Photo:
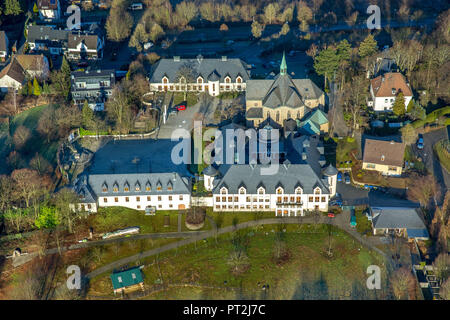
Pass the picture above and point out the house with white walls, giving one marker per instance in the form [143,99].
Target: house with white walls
[212,76]
[49,9]
[385,88]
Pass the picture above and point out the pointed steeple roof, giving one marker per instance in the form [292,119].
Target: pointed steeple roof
[283,65]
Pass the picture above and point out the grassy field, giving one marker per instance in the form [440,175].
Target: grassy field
[227,218]
[113,218]
[201,271]
[29,119]
[344,148]
[442,150]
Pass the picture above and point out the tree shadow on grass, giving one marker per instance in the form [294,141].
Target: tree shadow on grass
[312,290]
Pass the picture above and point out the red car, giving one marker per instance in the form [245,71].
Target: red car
[181,107]
[331,215]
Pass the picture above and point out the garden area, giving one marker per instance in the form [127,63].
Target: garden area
[346,152]
[442,150]
[239,264]
[113,218]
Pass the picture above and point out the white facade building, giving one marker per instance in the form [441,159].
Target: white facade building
[385,88]
[212,76]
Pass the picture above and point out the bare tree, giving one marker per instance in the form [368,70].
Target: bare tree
[403,284]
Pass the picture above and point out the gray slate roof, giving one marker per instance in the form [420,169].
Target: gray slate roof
[289,177]
[179,185]
[3,46]
[396,217]
[209,69]
[282,91]
[46,33]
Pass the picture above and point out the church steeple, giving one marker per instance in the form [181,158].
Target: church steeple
[283,66]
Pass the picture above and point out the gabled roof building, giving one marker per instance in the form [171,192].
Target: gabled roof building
[281,98]
[94,86]
[212,76]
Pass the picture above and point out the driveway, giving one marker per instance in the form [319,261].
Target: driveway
[430,159]
[351,195]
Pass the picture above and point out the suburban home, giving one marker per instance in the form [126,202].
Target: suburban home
[4,46]
[400,221]
[49,9]
[385,88]
[127,174]
[316,122]
[75,44]
[127,280]
[213,76]
[384,156]
[35,65]
[84,46]
[12,76]
[93,86]
[281,98]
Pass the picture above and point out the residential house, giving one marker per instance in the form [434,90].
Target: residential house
[12,76]
[384,156]
[75,44]
[316,122]
[281,98]
[84,46]
[127,280]
[385,88]
[95,87]
[213,76]
[400,221]
[49,9]
[35,65]
[4,46]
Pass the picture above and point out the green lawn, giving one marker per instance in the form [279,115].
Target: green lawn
[200,271]
[344,148]
[113,218]
[442,150]
[307,274]
[36,144]
[227,218]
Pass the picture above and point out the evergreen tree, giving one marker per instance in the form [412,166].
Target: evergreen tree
[399,104]
[35,8]
[326,63]
[367,48]
[29,88]
[87,115]
[12,7]
[36,88]
[257,29]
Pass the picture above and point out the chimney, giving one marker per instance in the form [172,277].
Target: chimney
[174,176]
[224,58]
[176,58]
[304,156]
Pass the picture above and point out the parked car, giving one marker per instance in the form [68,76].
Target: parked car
[181,106]
[420,142]
[347,178]
[331,215]
[339,177]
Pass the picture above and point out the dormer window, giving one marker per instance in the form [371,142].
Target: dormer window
[227,79]
[105,187]
[261,190]
[279,190]
[223,190]
[148,186]
[126,187]
[317,190]
[239,79]
[116,187]
[169,186]
[165,80]
[393,90]
[298,190]
[382,157]
[242,190]
[137,186]
[182,79]
[200,80]
[159,186]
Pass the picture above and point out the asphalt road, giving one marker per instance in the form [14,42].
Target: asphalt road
[430,159]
